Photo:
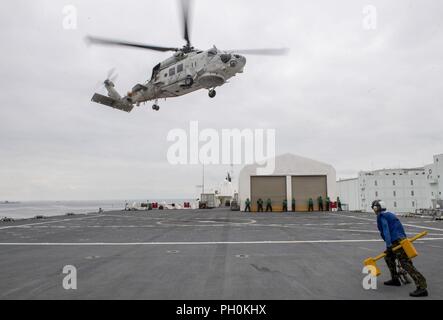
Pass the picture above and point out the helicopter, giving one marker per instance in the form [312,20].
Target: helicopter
[187,70]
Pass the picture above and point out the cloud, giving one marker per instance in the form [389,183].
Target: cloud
[357,99]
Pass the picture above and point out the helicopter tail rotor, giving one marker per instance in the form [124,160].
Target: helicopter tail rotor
[113,99]
[110,79]
[112,76]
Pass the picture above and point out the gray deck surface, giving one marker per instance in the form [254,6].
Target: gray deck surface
[206,254]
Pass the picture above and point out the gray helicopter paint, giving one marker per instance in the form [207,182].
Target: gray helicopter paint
[206,69]
[186,71]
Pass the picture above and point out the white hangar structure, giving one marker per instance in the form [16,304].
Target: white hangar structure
[294,177]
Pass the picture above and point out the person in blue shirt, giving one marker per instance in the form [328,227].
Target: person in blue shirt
[392,232]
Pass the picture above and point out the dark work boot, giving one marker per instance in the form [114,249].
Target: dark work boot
[393,282]
[419,293]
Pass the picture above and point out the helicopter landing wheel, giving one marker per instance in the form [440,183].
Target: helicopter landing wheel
[212,93]
[189,81]
[155,107]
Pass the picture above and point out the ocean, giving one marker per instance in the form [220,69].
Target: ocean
[30,209]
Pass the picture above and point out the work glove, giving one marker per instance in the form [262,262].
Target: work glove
[389,251]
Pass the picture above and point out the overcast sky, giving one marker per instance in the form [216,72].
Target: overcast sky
[354,98]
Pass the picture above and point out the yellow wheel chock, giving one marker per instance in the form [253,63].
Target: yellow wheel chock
[407,246]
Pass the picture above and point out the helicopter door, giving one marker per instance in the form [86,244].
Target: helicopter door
[181,73]
[173,86]
[155,72]
[180,69]
[172,75]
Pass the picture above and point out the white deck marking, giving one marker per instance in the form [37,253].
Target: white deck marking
[405,224]
[422,227]
[135,217]
[367,249]
[48,222]
[359,218]
[194,243]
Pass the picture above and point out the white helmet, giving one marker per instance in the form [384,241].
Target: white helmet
[380,204]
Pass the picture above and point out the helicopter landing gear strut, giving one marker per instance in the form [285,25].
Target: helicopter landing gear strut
[212,93]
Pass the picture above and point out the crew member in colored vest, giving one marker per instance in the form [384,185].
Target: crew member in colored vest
[338,204]
[259,205]
[285,205]
[310,204]
[247,205]
[268,205]
[320,203]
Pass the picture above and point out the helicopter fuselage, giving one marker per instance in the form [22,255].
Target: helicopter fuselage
[184,73]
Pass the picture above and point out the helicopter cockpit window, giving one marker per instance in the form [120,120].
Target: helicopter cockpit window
[180,68]
[225,57]
[212,52]
[172,72]
[155,71]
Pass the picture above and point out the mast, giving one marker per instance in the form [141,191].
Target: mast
[203,184]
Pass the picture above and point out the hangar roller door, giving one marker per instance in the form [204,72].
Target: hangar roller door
[305,187]
[268,187]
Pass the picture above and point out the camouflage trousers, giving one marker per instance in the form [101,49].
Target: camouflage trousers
[406,264]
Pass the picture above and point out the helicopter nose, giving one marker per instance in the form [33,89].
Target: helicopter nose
[241,60]
[238,62]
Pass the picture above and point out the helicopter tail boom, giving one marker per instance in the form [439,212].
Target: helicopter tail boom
[120,104]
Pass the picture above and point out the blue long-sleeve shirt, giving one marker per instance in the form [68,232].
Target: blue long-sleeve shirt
[390,227]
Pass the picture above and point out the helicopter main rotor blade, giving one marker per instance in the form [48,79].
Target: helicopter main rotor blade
[186,5]
[110,42]
[263,52]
